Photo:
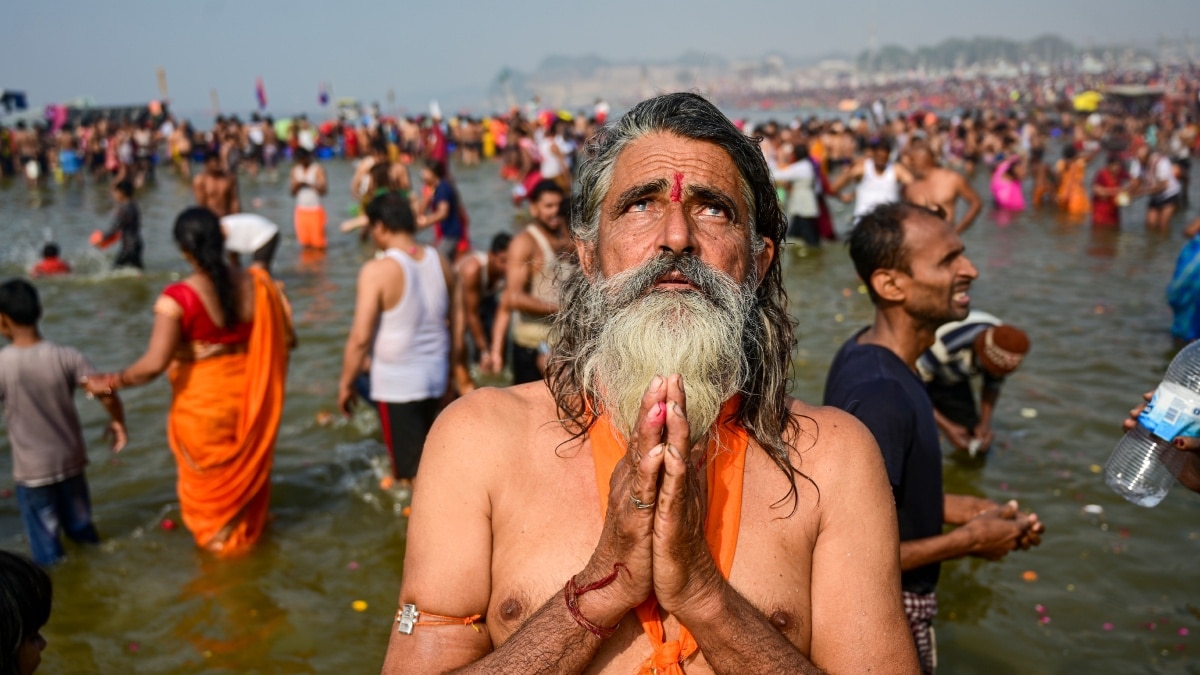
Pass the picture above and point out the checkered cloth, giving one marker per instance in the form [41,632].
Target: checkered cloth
[920,610]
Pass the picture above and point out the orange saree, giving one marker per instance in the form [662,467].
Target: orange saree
[222,426]
[1072,195]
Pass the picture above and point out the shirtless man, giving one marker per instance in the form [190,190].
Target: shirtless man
[476,301]
[530,295]
[179,146]
[216,189]
[935,186]
[26,142]
[550,556]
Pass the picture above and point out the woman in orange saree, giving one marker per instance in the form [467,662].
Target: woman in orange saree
[222,336]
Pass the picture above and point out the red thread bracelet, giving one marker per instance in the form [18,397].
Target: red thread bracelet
[572,592]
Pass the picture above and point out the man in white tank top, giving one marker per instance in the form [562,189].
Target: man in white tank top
[879,180]
[308,186]
[402,321]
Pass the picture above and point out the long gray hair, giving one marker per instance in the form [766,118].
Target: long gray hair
[763,410]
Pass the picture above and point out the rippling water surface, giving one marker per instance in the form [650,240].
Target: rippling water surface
[1118,592]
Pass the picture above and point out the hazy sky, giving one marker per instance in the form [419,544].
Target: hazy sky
[58,49]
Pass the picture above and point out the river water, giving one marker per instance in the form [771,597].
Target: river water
[1115,592]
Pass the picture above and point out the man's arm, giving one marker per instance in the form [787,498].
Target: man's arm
[447,565]
[857,622]
[117,225]
[198,191]
[322,186]
[362,330]
[958,435]
[517,278]
[235,198]
[469,283]
[500,334]
[844,178]
[987,406]
[959,509]
[991,535]
[974,204]
[296,184]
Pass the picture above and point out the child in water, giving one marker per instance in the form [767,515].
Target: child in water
[50,265]
[25,597]
[37,382]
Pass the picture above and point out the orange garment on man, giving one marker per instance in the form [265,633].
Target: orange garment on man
[310,226]
[1072,194]
[228,386]
[724,462]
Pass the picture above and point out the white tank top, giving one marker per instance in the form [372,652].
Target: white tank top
[875,188]
[306,197]
[410,360]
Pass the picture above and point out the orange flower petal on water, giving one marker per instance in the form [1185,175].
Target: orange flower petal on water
[1029,575]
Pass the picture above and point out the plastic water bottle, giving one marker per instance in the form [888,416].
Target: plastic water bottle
[1144,465]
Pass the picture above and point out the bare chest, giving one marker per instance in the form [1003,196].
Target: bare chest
[547,524]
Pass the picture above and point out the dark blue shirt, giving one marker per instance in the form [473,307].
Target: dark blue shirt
[451,227]
[873,384]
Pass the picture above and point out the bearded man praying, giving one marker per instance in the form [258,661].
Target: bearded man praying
[658,504]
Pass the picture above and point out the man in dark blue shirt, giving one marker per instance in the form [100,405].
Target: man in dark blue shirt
[917,276]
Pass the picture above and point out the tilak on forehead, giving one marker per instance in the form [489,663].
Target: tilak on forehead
[677,187]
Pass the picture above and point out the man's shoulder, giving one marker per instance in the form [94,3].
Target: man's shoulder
[498,419]
[868,374]
[829,441]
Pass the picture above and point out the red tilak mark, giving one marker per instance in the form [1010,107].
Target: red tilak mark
[677,188]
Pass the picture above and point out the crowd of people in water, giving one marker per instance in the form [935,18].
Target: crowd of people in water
[546,303]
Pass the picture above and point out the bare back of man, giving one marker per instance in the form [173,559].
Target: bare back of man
[517,536]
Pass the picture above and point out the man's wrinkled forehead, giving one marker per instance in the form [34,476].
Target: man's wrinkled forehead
[672,166]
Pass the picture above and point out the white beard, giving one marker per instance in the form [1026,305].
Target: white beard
[668,332]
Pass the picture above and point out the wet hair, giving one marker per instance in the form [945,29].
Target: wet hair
[303,153]
[380,175]
[1069,151]
[379,145]
[125,187]
[25,599]
[763,409]
[198,233]
[50,250]
[500,243]
[20,303]
[392,211]
[877,240]
[879,143]
[545,186]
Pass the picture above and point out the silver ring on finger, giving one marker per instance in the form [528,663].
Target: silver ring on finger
[639,504]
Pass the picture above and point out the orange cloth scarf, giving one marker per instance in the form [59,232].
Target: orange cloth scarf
[726,461]
[222,427]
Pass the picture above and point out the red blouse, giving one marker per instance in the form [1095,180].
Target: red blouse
[198,326]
